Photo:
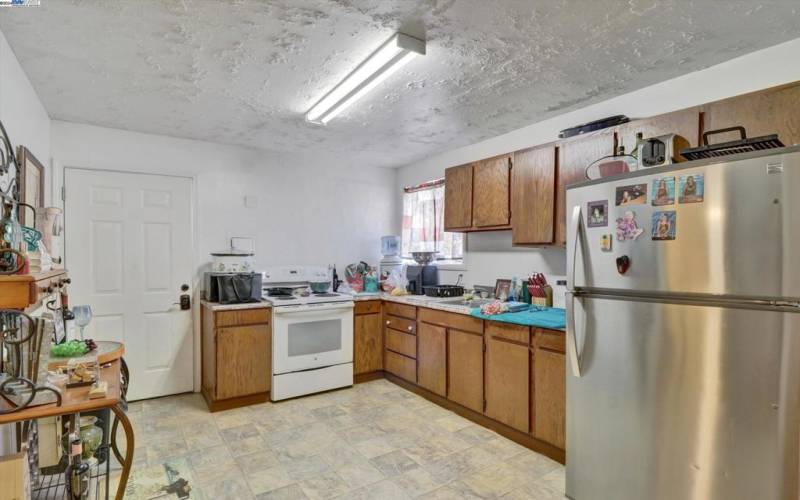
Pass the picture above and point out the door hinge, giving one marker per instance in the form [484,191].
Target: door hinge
[63,193]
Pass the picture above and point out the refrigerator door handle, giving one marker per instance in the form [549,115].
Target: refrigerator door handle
[572,338]
[577,223]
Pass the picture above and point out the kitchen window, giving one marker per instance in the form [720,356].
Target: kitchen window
[423,223]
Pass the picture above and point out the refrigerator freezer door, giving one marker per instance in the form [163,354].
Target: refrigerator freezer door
[682,401]
[743,239]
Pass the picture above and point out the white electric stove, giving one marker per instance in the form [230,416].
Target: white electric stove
[312,334]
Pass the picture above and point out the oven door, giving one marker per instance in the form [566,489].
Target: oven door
[311,336]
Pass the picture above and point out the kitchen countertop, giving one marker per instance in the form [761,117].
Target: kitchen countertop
[434,303]
[216,306]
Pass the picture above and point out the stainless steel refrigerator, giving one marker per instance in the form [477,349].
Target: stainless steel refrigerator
[683,332]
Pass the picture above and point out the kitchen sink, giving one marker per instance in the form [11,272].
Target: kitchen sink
[466,303]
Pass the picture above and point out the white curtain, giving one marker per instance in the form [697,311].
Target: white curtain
[423,225]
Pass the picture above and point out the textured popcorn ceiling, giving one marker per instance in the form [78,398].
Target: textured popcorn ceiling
[244,72]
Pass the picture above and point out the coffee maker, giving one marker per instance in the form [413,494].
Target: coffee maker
[421,276]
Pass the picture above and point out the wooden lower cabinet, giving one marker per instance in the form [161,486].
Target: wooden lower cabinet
[508,382]
[465,369]
[402,366]
[548,421]
[367,338]
[432,358]
[243,360]
[236,356]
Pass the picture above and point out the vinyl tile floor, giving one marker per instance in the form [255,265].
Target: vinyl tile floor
[372,441]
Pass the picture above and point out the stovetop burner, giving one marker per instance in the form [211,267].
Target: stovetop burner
[284,297]
[326,294]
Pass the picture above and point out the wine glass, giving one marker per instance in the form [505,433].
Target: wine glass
[83,316]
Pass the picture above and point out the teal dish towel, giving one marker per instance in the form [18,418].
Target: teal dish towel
[542,317]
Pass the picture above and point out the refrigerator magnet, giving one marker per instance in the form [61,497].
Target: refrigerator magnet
[606,242]
[627,227]
[690,188]
[635,194]
[663,191]
[664,225]
[597,213]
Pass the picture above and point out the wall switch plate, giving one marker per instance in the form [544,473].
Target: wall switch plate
[251,201]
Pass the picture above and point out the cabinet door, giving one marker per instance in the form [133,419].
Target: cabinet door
[432,358]
[533,196]
[491,192]
[573,158]
[549,396]
[508,383]
[367,343]
[458,197]
[465,369]
[771,111]
[243,360]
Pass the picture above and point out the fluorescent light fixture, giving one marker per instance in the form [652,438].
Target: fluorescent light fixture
[391,56]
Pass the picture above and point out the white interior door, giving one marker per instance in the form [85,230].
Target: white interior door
[129,252]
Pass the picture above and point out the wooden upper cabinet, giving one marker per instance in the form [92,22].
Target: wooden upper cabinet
[770,111]
[533,195]
[458,197]
[432,358]
[574,156]
[491,192]
[685,123]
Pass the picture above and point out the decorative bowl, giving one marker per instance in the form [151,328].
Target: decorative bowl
[423,258]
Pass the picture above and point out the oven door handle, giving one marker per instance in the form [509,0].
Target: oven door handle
[312,308]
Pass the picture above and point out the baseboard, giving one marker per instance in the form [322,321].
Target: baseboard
[229,404]
[518,437]
[367,377]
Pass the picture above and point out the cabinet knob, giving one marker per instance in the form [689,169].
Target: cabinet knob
[388,323]
[410,328]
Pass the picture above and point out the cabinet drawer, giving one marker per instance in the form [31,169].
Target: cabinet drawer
[401,343]
[403,367]
[505,331]
[239,317]
[552,340]
[451,320]
[402,310]
[368,307]
[401,324]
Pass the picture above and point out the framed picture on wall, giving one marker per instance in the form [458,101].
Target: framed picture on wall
[31,184]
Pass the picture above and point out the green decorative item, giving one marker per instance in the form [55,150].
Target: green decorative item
[71,349]
[32,237]
[91,435]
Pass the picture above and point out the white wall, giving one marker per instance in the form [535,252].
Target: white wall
[21,111]
[308,213]
[491,255]
[27,124]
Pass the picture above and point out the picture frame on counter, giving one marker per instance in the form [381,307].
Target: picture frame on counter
[31,184]
[502,286]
